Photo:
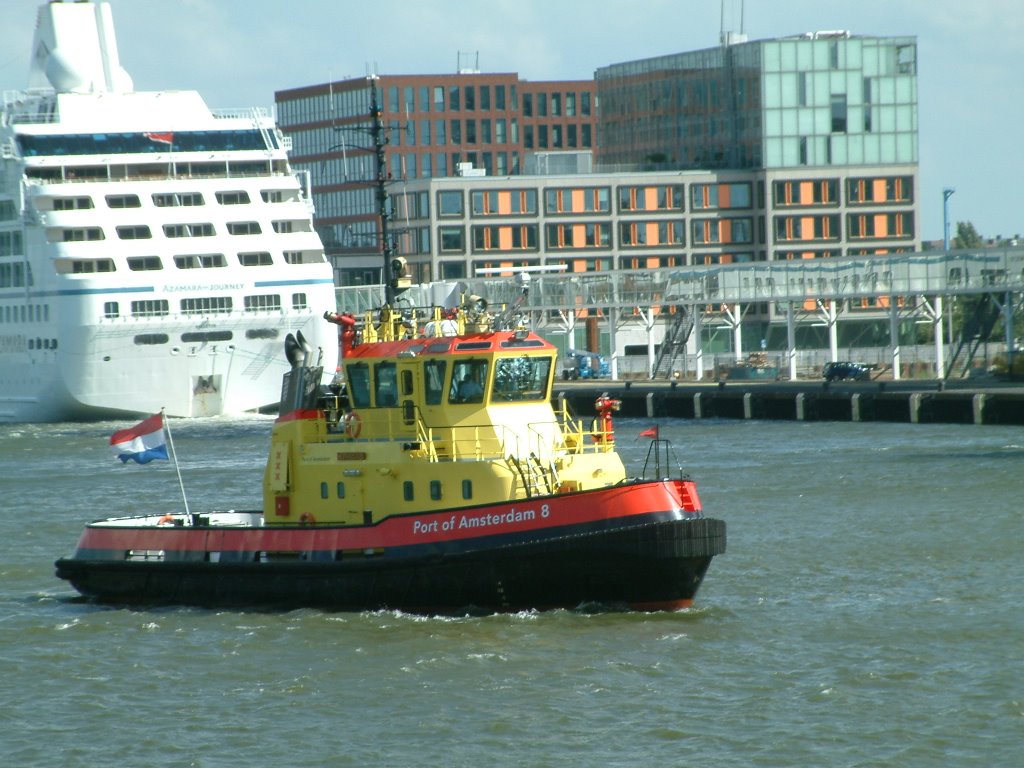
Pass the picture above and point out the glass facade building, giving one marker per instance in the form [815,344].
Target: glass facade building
[821,99]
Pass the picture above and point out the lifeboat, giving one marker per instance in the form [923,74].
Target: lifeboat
[434,475]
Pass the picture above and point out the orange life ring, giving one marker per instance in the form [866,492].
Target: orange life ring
[307,518]
[167,519]
[353,424]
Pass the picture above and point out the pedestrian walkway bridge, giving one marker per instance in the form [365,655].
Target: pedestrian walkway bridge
[940,273]
[819,291]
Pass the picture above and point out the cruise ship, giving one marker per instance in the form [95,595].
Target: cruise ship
[154,253]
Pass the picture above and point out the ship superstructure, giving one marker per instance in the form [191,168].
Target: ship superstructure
[154,253]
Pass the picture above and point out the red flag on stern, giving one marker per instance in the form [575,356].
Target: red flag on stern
[652,432]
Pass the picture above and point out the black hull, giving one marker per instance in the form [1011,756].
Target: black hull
[658,565]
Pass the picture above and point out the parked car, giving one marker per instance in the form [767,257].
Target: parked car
[844,370]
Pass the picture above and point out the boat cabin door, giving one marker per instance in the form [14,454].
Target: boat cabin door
[408,387]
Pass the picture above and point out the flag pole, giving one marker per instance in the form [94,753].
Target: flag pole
[174,455]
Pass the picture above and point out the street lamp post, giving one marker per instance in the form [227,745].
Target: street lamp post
[946,194]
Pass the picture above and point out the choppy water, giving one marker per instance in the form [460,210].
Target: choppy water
[869,612]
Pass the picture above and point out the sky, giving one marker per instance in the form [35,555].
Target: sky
[237,53]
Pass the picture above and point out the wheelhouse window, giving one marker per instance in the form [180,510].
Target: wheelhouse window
[385,385]
[521,378]
[469,379]
[358,375]
[433,376]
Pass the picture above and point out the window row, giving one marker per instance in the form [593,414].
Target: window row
[185,261]
[879,226]
[598,200]
[203,337]
[597,234]
[206,305]
[25,313]
[163,199]
[859,191]
[465,381]
[454,98]
[173,231]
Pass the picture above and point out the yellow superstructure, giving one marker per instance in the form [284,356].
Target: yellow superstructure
[427,422]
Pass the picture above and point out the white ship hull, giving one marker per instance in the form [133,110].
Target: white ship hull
[153,254]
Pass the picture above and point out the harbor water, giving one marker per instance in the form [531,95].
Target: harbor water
[869,611]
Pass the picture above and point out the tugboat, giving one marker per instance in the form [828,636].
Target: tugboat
[435,475]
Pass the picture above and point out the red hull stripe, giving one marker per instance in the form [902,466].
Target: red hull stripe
[609,504]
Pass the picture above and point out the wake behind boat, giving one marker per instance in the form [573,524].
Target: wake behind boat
[153,253]
[435,475]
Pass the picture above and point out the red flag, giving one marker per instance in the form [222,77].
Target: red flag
[163,137]
[652,432]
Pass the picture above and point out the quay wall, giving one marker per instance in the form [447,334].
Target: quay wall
[813,401]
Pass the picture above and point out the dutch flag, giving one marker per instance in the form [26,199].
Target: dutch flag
[141,443]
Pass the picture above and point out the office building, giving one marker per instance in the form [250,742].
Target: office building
[790,148]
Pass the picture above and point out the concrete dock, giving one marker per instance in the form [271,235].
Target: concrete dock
[911,401]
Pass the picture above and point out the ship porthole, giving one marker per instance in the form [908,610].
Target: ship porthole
[175,350]
[106,358]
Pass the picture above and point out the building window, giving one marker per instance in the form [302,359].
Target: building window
[589,235]
[805,192]
[450,203]
[578,200]
[838,103]
[888,189]
[712,231]
[657,198]
[505,238]
[452,239]
[515,202]
[651,233]
[788,228]
[880,226]
[720,196]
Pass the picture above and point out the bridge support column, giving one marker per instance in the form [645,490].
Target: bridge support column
[894,337]
[978,408]
[791,340]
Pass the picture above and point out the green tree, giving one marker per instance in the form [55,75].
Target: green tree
[966,236]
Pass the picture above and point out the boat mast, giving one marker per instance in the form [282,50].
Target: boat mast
[393,268]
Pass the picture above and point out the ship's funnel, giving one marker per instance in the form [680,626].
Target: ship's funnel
[75,51]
